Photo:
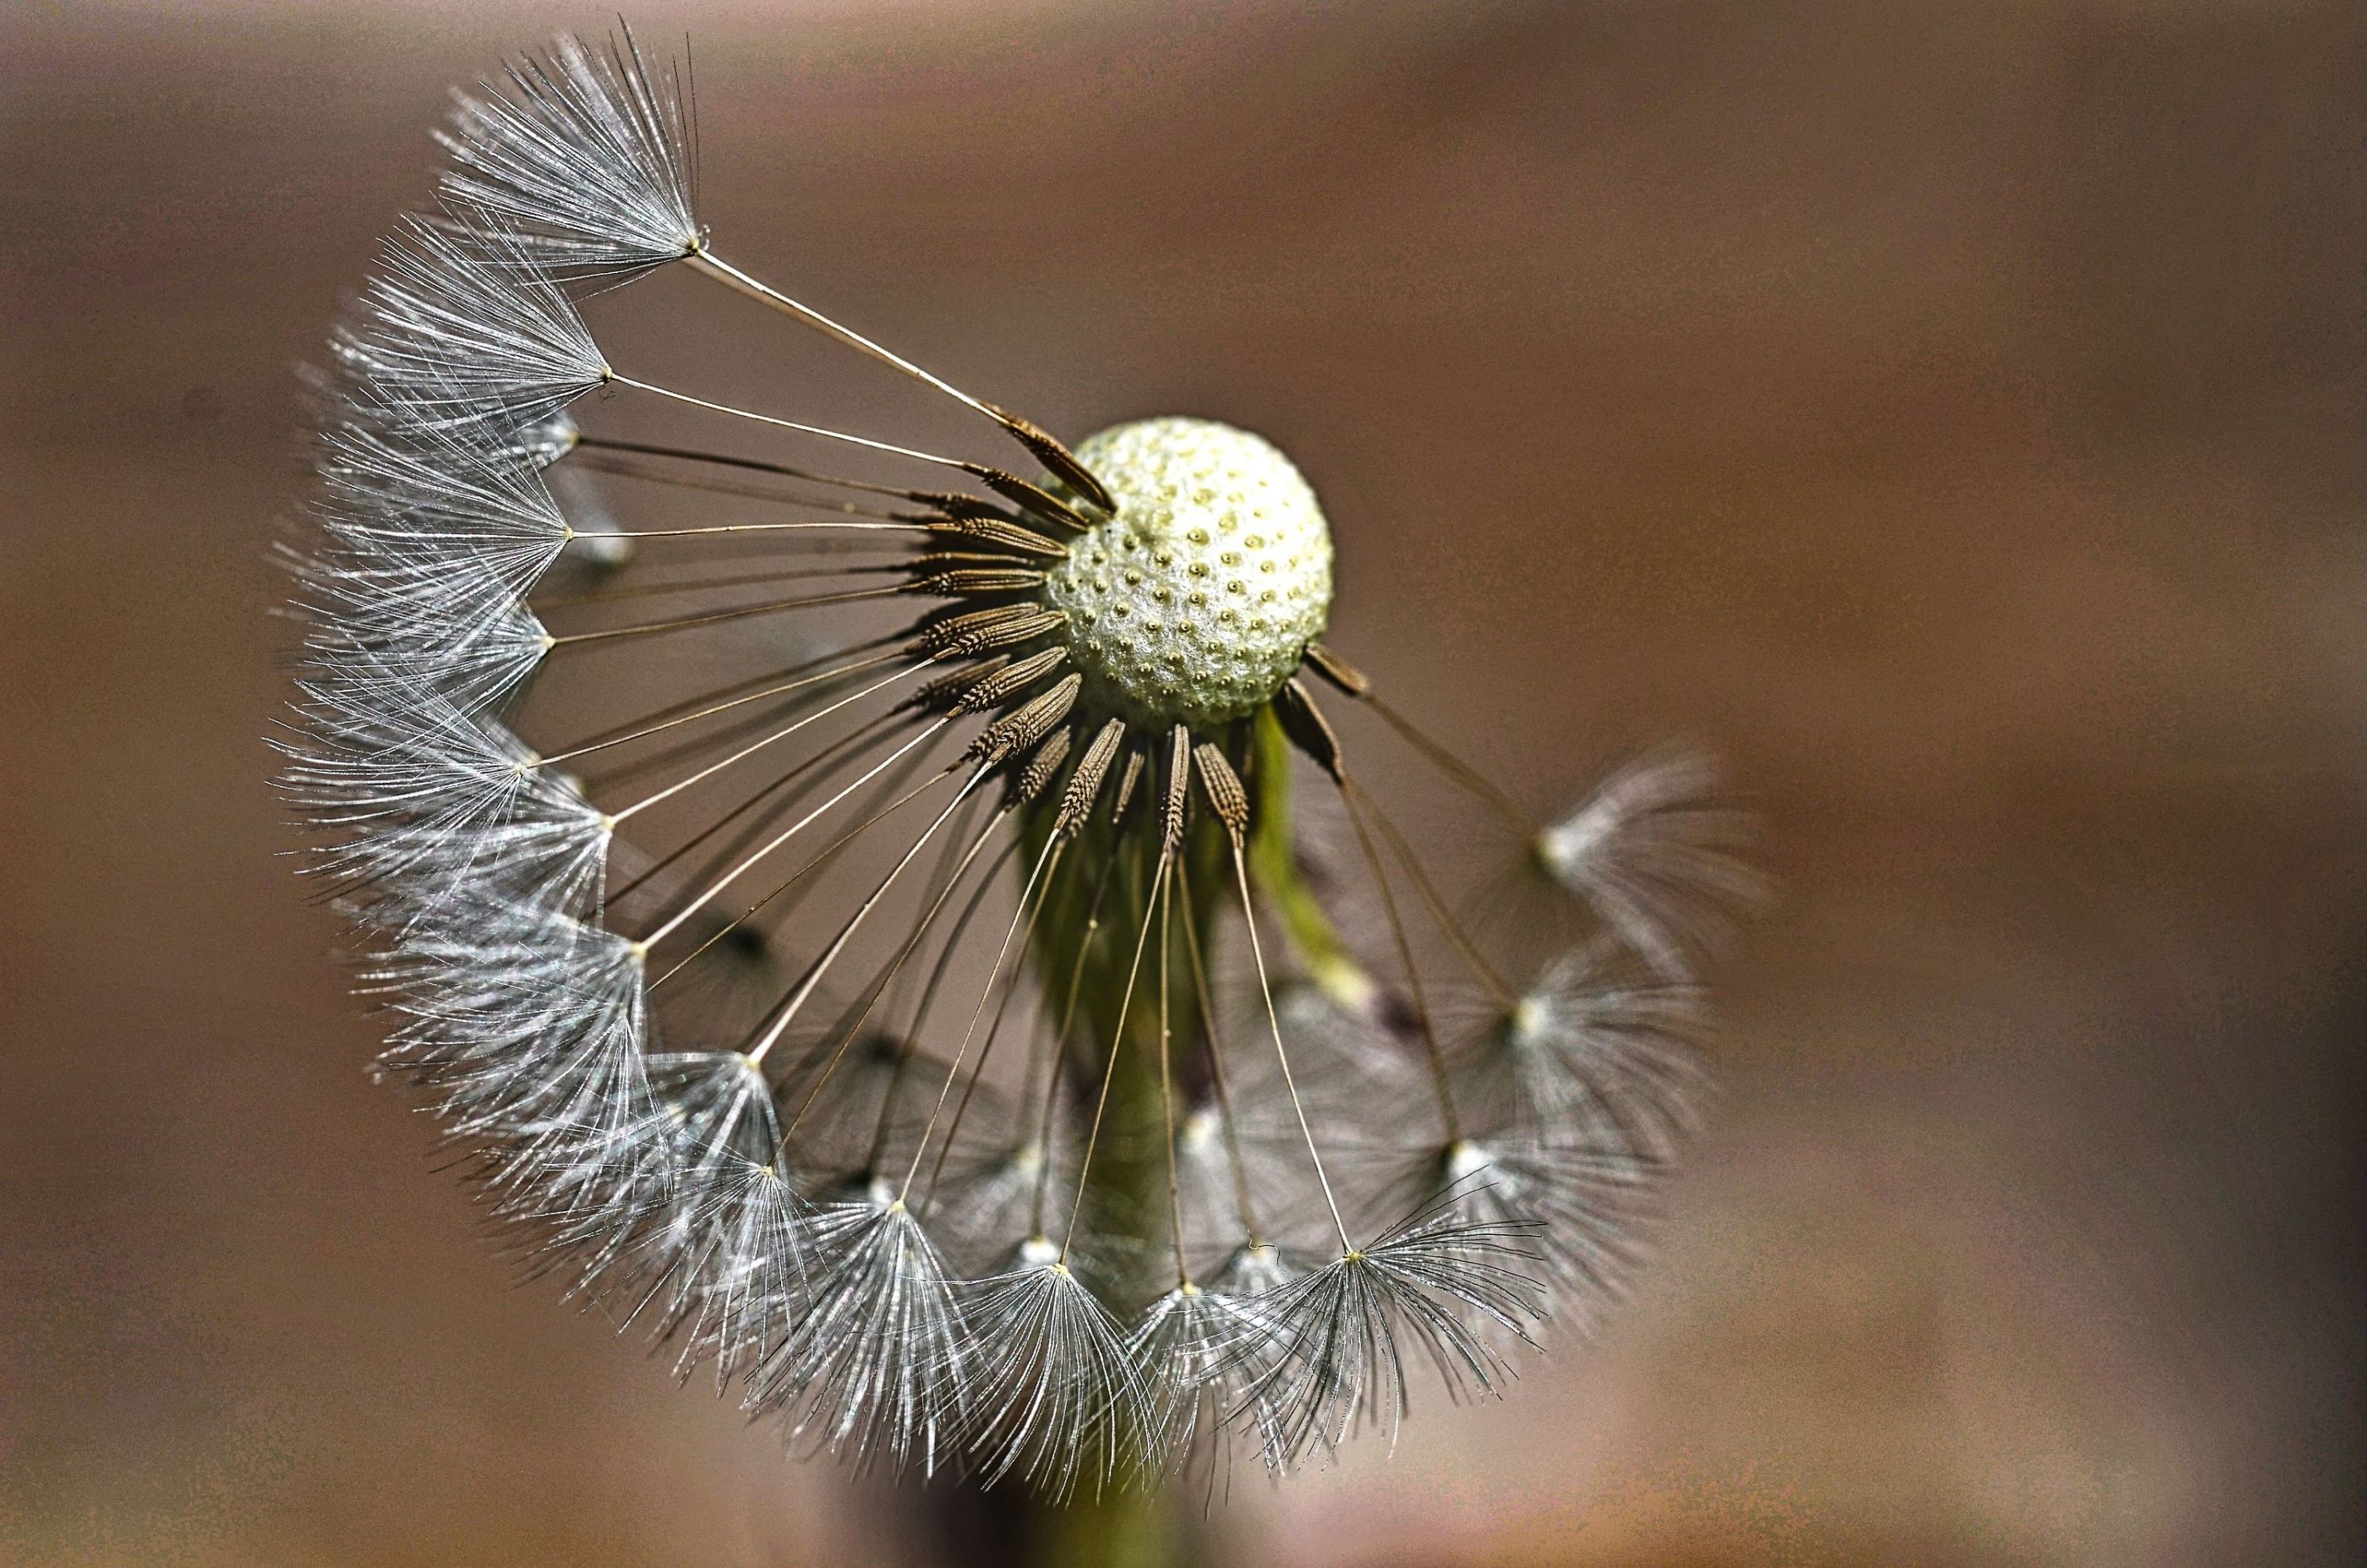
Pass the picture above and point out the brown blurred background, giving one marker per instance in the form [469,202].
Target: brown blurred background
[1953,411]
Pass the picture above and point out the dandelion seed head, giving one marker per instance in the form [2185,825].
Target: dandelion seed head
[687,959]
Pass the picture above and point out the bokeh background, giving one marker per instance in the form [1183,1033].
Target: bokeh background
[1953,413]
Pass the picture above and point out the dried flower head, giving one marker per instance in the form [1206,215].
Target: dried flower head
[890,973]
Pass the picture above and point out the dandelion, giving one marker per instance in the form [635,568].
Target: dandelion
[841,897]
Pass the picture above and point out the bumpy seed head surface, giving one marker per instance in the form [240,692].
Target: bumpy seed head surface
[1194,604]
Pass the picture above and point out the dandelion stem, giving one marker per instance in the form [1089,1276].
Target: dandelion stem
[1118,1048]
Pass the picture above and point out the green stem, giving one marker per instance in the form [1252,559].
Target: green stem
[1125,1527]
[1274,863]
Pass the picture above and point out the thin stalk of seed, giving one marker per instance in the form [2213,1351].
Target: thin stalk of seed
[1355,684]
[1011,487]
[846,933]
[904,1051]
[781,793]
[1166,1088]
[839,1054]
[1059,1052]
[1047,450]
[608,455]
[725,706]
[1075,814]
[1273,1022]
[743,579]
[994,1030]
[709,265]
[866,441]
[1484,972]
[912,944]
[717,617]
[935,498]
[1421,1003]
[753,747]
[953,1128]
[821,858]
[946,952]
[1045,704]
[1455,768]
[1170,839]
[717,530]
[993,973]
[683,704]
[689,750]
[717,887]
[1251,1231]
[826,757]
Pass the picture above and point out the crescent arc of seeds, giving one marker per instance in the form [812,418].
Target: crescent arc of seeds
[895,975]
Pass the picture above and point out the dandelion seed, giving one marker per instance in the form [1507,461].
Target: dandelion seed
[885,974]
[874,1369]
[1053,1392]
[461,334]
[1655,855]
[585,155]
[1599,1045]
[1204,1356]
[1349,1328]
